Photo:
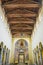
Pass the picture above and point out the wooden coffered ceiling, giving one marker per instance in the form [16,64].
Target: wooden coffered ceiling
[21,15]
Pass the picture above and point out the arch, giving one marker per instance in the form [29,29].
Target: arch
[21,39]
[17,47]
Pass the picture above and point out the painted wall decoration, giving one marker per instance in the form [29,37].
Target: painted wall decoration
[21,46]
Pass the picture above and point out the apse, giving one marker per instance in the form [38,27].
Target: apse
[21,47]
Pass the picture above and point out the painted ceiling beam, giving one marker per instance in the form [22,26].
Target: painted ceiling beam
[21,22]
[21,19]
[16,1]
[21,25]
[9,6]
[22,32]
[21,15]
[21,29]
[19,11]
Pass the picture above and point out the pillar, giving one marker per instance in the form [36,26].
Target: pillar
[4,55]
[1,53]
[7,56]
[40,53]
[30,51]
[35,56]
[37,53]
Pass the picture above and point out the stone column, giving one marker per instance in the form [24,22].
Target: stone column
[37,53]
[1,53]
[40,53]
[7,56]
[4,55]
[35,56]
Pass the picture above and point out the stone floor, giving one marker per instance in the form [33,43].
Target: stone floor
[25,64]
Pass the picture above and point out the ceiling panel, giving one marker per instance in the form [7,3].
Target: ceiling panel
[21,15]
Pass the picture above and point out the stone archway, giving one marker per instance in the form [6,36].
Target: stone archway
[21,47]
[13,49]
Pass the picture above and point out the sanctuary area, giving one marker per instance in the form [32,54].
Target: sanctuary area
[21,32]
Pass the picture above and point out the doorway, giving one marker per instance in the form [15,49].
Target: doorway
[21,58]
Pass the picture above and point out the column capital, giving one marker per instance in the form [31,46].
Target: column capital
[1,44]
[5,47]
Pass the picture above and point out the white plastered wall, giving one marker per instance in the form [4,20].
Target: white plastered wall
[37,35]
[5,35]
